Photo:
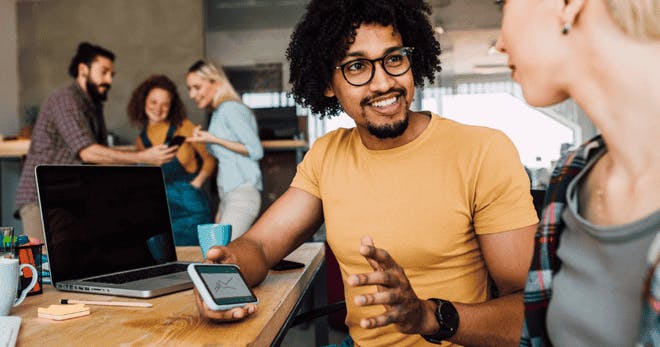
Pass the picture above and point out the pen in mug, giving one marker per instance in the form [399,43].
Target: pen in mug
[107,303]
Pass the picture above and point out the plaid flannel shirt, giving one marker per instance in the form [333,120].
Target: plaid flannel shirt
[68,122]
[545,262]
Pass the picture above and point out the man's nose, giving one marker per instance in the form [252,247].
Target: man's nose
[382,81]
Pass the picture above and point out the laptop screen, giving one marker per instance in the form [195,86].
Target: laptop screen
[103,219]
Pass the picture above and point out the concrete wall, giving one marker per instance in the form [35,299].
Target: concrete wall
[9,122]
[8,69]
[250,47]
[147,37]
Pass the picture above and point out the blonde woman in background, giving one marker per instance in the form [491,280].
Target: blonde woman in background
[594,279]
[233,139]
[156,108]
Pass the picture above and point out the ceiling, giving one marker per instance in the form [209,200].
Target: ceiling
[235,15]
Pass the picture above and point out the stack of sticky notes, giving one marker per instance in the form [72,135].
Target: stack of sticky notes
[62,312]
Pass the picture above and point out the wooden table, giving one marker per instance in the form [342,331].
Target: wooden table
[174,320]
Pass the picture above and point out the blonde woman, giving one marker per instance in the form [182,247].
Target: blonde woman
[594,279]
[233,139]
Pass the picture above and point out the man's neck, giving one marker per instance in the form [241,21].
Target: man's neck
[417,123]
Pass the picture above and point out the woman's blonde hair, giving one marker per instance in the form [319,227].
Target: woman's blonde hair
[209,71]
[638,18]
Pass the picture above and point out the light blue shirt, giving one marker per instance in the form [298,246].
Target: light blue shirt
[234,121]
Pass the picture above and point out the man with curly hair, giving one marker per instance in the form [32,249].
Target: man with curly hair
[447,205]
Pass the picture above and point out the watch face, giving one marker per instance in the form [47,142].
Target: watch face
[448,320]
[449,317]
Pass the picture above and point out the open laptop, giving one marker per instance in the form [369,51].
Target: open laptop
[108,230]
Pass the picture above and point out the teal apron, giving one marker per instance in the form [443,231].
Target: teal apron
[188,205]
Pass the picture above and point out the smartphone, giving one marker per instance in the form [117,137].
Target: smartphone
[176,141]
[287,265]
[221,286]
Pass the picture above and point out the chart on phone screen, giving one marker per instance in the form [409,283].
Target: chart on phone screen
[226,285]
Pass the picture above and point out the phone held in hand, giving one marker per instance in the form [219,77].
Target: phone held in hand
[287,265]
[221,286]
[176,141]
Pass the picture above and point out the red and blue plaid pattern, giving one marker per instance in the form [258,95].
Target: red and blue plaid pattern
[545,262]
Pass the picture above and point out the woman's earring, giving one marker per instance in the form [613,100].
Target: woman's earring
[566,28]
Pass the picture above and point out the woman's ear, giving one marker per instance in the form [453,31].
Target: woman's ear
[571,11]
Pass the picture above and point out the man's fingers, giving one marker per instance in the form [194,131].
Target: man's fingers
[378,256]
[378,298]
[382,278]
[219,255]
[384,319]
[234,314]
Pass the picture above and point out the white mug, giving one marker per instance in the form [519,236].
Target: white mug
[10,271]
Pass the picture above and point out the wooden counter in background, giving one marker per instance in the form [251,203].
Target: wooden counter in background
[19,148]
[14,148]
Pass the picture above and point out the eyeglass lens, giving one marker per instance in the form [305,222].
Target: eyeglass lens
[361,71]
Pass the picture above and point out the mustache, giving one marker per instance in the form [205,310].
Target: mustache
[369,99]
[106,85]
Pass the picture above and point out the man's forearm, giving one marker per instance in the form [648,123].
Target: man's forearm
[252,260]
[496,322]
[99,154]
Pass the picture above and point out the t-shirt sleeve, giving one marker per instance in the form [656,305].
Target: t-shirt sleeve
[502,195]
[309,170]
[72,124]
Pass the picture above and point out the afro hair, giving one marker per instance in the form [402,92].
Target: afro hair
[324,35]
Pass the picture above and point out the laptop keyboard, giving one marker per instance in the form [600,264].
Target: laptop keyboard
[142,274]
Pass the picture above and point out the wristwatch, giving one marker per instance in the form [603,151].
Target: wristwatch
[448,320]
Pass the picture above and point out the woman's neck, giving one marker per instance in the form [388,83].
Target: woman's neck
[618,89]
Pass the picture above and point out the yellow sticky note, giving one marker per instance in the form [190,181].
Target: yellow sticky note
[62,312]
[59,310]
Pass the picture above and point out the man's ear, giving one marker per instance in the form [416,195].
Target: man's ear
[571,11]
[83,70]
[329,92]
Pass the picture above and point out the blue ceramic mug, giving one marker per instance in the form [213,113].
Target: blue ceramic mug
[210,235]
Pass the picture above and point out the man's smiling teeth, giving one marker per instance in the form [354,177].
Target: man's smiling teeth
[384,102]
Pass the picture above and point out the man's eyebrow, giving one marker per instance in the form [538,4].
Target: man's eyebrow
[357,54]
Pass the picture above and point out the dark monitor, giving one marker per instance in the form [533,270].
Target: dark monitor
[277,123]
[112,218]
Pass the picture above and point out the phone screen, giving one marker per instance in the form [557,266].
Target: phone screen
[225,284]
[176,141]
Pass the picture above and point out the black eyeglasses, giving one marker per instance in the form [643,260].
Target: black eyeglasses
[359,72]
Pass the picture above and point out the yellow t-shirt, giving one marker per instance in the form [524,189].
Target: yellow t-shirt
[423,202]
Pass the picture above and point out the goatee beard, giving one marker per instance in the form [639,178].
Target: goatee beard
[389,131]
[94,93]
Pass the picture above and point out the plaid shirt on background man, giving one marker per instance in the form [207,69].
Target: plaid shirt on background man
[68,122]
[545,262]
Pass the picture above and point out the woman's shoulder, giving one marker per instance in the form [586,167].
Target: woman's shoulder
[234,106]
